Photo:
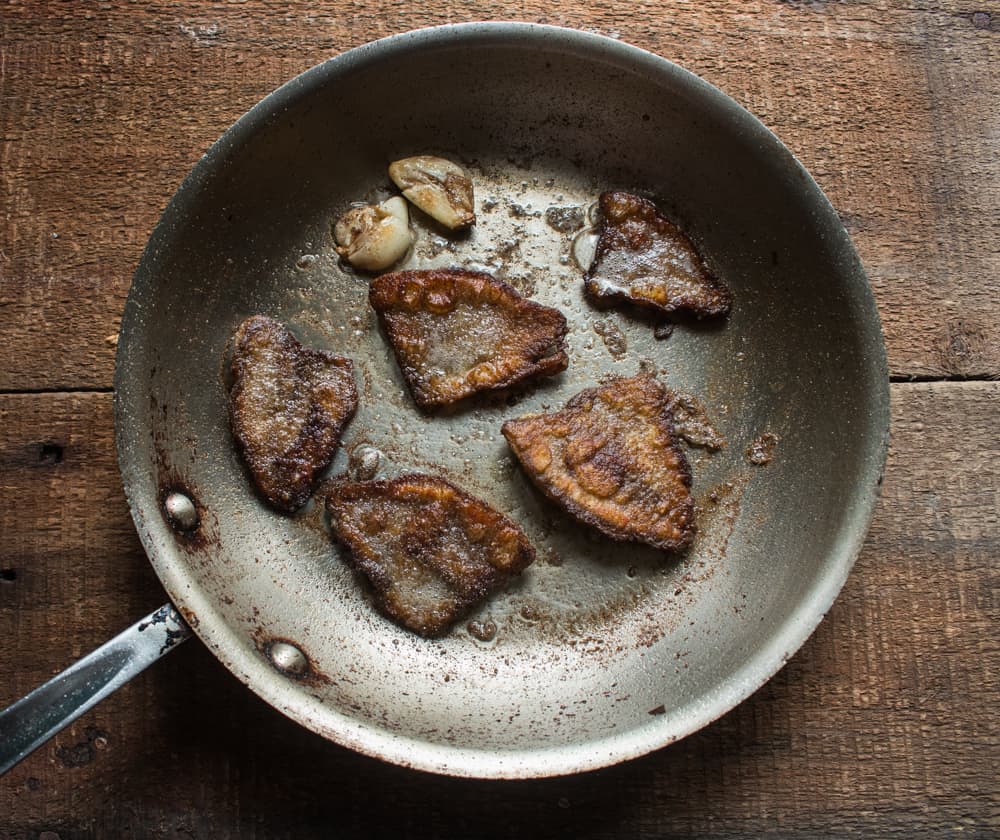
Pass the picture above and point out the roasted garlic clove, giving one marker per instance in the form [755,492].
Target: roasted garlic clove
[438,187]
[373,237]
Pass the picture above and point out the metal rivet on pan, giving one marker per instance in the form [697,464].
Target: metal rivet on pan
[288,658]
[181,511]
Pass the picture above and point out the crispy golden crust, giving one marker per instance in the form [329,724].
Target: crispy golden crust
[456,333]
[645,259]
[429,550]
[288,405]
[611,459]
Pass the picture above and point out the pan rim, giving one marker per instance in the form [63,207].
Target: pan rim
[788,637]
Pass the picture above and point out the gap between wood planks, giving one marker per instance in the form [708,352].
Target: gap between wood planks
[921,379]
[17,392]
[894,379]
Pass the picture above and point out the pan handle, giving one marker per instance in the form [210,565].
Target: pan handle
[35,718]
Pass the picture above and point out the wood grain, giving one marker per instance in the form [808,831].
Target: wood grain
[885,724]
[104,109]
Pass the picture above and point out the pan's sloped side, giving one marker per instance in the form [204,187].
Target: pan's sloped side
[603,651]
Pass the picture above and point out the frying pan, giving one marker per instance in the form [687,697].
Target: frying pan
[603,650]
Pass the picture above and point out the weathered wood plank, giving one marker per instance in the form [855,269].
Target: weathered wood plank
[892,107]
[885,724]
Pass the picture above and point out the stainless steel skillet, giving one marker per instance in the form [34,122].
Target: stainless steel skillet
[604,651]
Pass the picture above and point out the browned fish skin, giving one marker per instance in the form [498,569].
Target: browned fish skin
[456,333]
[430,550]
[644,258]
[611,459]
[288,405]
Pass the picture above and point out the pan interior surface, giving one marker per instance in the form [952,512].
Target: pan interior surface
[602,651]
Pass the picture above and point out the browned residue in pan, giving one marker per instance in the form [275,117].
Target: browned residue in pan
[717,512]
[189,617]
[691,422]
[613,338]
[760,452]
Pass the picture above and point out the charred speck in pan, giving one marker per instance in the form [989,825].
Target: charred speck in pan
[663,330]
[760,452]
[613,338]
[484,631]
[566,219]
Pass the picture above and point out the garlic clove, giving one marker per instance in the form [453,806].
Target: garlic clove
[438,187]
[375,236]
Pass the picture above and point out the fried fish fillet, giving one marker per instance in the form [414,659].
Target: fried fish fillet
[429,550]
[288,405]
[611,459]
[643,258]
[456,333]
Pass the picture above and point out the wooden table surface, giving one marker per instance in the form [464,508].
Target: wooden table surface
[885,724]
